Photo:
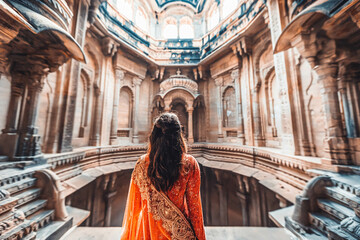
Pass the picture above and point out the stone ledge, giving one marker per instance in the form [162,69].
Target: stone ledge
[212,233]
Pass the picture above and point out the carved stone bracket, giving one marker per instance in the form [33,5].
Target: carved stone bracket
[52,190]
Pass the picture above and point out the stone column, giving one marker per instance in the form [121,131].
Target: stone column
[9,135]
[17,90]
[239,119]
[219,83]
[29,141]
[119,78]
[137,82]
[222,199]
[258,133]
[110,193]
[243,196]
[277,23]
[95,136]
[336,144]
[190,111]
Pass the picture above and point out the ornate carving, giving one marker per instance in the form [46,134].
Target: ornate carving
[52,190]
[178,81]
[219,81]
[137,81]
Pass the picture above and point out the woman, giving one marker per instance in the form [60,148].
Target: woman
[164,196]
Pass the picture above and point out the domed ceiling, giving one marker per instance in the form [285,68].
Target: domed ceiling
[197,4]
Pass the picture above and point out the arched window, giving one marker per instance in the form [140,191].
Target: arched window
[229,108]
[141,20]
[125,8]
[228,6]
[186,29]
[213,17]
[170,28]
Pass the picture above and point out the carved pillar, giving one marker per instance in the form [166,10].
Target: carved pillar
[277,23]
[258,133]
[345,86]
[9,136]
[95,136]
[336,144]
[29,141]
[17,90]
[219,83]
[109,197]
[222,199]
[239,119]
[305,146]
[243,197]
[190,111]
[119,78]
[137,82]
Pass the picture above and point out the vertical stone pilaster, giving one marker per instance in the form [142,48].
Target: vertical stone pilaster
[137,82]
[239,119]
[258,132]
[110,193]
[28,147]
[9,136]
[222,199]
[336,144]
[288,136]
[119,78]
[72,80]
[219,83]
[95,135]
[190,111]
[17,90]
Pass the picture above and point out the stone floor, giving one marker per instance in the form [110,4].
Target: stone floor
[212,233]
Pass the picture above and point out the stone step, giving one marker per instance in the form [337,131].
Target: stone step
[20,185]
[28,196]
[33,207]
[7,204]
[322,222]
[344,196]
[12,175]
[42,218]
[334,209]
[21,231]
[54,230]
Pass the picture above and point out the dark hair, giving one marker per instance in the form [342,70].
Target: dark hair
[166,147]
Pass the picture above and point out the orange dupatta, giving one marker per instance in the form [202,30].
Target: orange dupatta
[150,214]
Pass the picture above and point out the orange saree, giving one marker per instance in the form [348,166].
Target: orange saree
[176,214]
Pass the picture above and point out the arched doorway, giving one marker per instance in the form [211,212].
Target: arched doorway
[178,106]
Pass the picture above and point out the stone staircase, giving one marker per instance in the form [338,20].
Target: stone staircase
[25,209]
[329,208]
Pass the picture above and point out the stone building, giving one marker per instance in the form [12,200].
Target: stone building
[267,92]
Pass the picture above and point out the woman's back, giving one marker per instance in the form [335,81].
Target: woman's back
[164,197]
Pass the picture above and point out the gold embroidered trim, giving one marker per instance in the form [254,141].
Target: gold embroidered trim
[161,207]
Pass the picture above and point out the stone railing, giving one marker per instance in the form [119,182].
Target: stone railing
[180,51]
[287,168]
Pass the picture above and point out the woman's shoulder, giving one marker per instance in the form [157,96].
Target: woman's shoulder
[141,161]
[190,162]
